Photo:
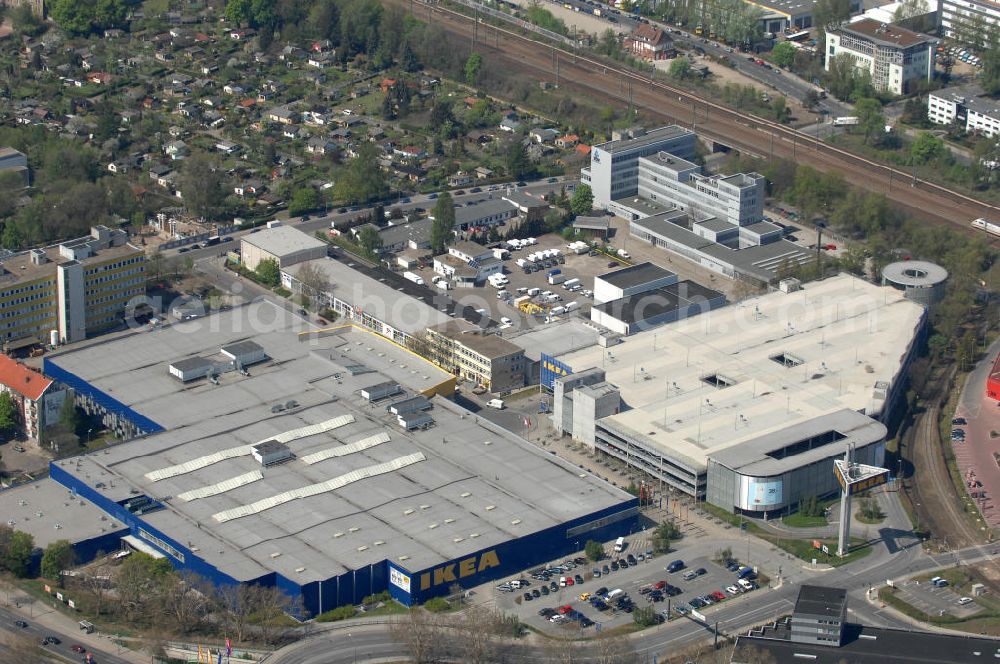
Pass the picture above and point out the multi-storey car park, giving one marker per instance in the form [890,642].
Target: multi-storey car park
[327,463]
[745,406]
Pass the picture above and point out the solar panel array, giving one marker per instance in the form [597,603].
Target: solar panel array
[316,489]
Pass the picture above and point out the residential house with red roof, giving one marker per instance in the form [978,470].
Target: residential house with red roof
[38,401]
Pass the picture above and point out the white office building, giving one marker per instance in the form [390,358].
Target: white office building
[737,200]
[967,106]
[614,166]
[894,56]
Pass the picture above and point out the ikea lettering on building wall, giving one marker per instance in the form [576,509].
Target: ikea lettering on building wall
[552,369]
[398,579]
[454,571]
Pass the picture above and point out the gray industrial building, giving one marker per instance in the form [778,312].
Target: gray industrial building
[334,469]
[747,405]
[819,616]
[658,306]
[630,280]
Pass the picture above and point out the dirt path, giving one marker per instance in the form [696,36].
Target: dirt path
[931,489]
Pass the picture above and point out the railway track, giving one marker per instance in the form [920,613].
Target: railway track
[741,131]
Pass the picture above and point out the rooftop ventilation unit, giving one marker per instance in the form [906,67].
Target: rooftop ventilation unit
[379,391]
[271,452]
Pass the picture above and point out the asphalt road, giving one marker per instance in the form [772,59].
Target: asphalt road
[36,632]
[783,82]
[903,556]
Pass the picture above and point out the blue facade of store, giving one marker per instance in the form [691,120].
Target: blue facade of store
[513,556]
[105,401]
[495,562]
[551,368]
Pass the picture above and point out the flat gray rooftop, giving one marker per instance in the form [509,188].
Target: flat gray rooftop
[410,310]
[971,96]
[753,457]
[654,136]
[282,240]
[779,360]
[761,261]
[430,495]
[636,275]
[48,511]
[562,336]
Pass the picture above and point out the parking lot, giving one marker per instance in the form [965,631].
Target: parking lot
[575,266]
[935,601]
[636,582]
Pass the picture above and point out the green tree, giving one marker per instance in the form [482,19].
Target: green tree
[268,272]
[783,54]
[781,111]
[12,237]
[370,242]
[644,616]
[680,68]
[927,147]
[664,534]
[871,120]
[73,16]
[473,67]
[361,180]
[69,414]
[201,185]
[518,164]
[17,557]
[58,556]
[594,550]
[8,414]
[304,199]
[989,77]
[444,223]
[582,202]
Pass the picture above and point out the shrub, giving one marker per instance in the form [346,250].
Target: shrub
[437,604]
[340,613]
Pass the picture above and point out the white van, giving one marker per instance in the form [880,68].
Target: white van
[613,594]
[562,581]
[619,545]
[495,403]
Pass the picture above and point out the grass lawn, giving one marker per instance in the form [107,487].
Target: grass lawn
[801,521]
[804,549]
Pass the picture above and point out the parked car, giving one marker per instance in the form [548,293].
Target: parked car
[21,624]
[959,422]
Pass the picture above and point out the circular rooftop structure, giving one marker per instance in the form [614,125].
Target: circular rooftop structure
[922,281]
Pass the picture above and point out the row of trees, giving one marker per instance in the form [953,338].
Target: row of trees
[733,21]
[146,592]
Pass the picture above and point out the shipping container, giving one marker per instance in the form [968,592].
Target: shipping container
[415,278]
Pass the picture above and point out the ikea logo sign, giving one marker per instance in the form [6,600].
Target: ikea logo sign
[454,571]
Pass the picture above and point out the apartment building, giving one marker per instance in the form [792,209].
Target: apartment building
[895,57]
[614,165]
[38,399]
[77,288]
[486,359]
[964,20]
[967,106]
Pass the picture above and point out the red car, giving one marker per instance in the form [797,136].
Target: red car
[565,609]
[78,648]
[760,62]
[569,581]
[660,585]
[717,596]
